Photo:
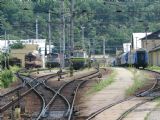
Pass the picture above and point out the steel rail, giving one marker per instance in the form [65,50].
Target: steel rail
[44,79]
[58,93]
[5,107]
[74,99]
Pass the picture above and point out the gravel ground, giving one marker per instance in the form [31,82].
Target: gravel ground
[53,82]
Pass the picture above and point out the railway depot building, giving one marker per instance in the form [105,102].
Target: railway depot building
[152,44]
[20,53]
[30,46]
[136,42]
[154,56]
[151,41]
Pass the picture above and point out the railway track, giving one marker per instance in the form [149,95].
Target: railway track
[124,114]
[32,83]
[44,92]
[61,104]
[151,93]
[50,97]
[17,90]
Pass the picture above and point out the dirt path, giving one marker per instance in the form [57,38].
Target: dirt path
[111,94]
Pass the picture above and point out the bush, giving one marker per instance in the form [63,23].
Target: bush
[6,77]
[17,45]
[14,68]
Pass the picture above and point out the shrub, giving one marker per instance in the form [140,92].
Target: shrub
[14,68]
[6,77]
[17,45]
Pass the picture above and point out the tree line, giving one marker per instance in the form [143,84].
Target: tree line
[113,21]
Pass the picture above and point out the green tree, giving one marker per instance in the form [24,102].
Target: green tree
[17,45]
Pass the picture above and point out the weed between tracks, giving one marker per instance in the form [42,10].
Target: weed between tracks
[139,81]
[103,83]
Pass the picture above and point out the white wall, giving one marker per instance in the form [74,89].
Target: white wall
[126,47]
[137,43]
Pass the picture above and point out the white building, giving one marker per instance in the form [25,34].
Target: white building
[136,39]
[126,47]
[40,42]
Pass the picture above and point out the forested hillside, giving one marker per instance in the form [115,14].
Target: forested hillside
[112,21]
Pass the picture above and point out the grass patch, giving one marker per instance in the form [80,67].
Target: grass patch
[139,81]
[103,83]
[155,68]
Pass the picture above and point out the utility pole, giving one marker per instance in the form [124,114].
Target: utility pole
[49,36]
[36,27]
[8,48]
[94,47]
[146,39]
[83,45]
[146,29]
[104,53]
[69,39]
[63,32]
[89,47]
[72,25]
[49,30]
[5,59]
[136,43]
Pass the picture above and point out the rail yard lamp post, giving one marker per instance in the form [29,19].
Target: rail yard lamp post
[49,36]
[63,34]
[146,30]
